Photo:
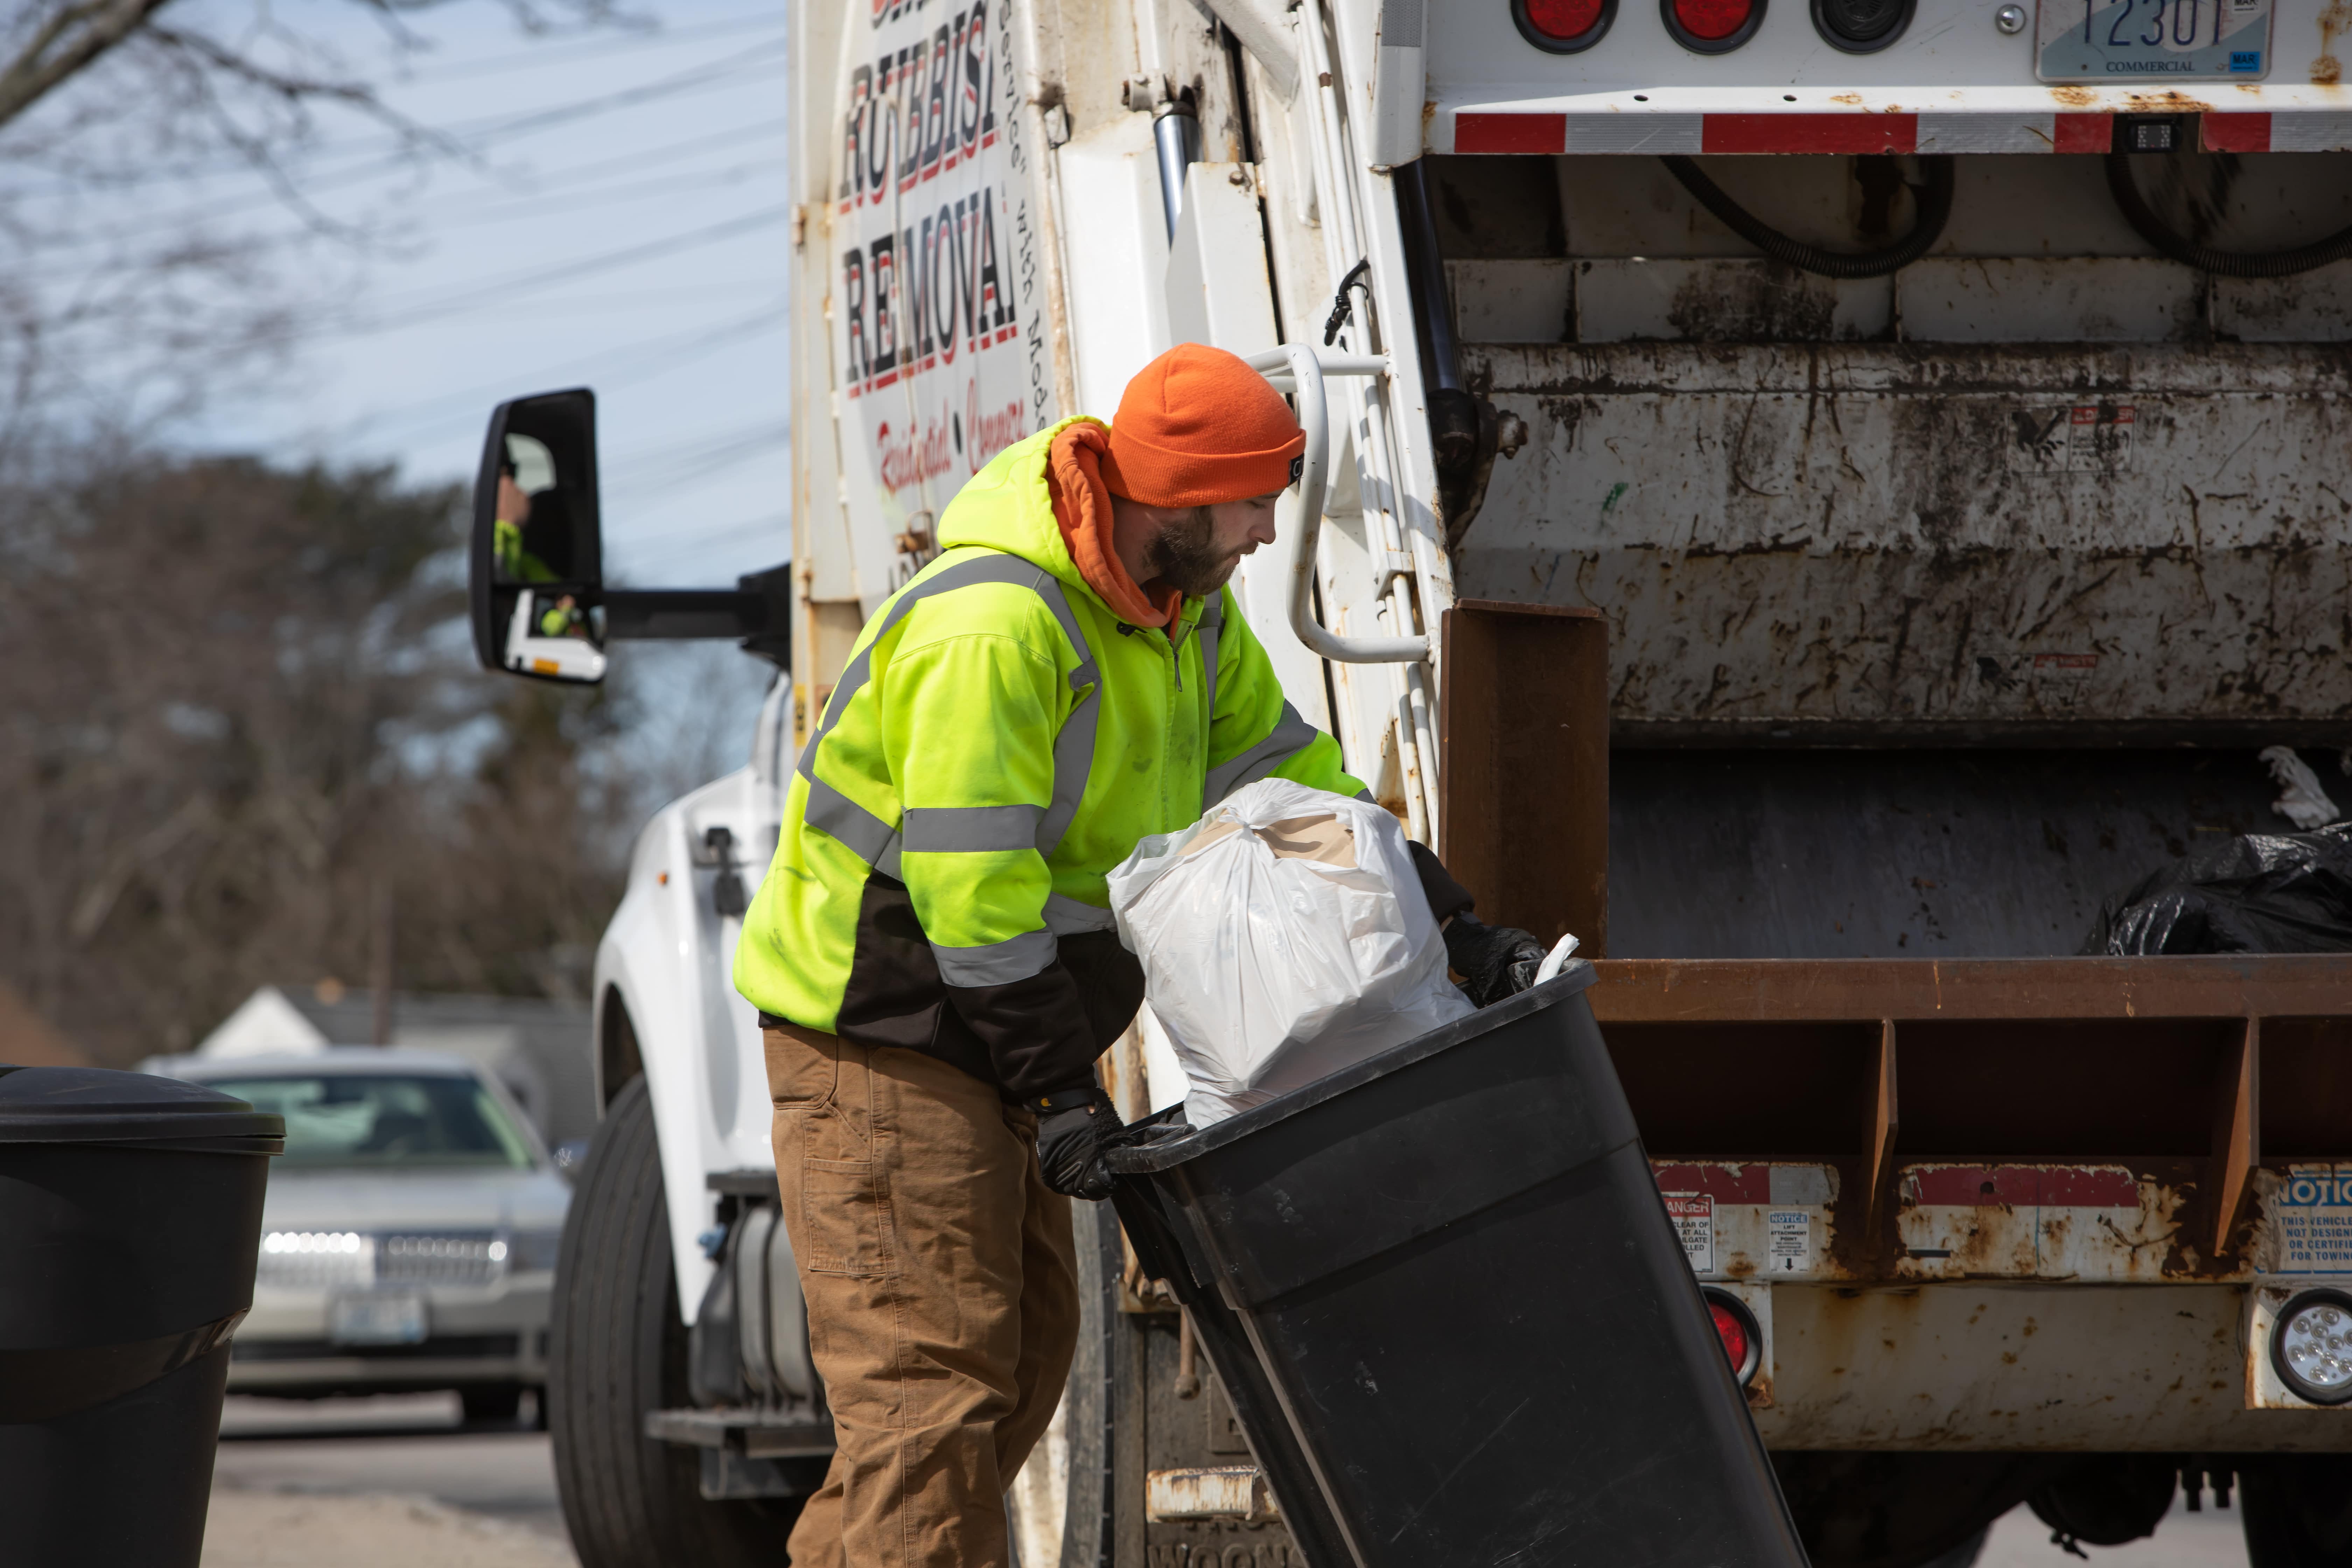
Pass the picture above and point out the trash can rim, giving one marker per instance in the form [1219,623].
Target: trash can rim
[1146,1159]
[52,1105]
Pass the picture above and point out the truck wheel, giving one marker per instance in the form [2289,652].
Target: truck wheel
[2296,1509]
[617,1350]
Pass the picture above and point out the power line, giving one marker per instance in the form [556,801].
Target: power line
[476,133]
[656,356]
[180,220]
[628,256]
[642,190]
[527,59]
[704,454]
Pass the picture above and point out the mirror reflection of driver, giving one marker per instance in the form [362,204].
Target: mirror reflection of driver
[530,540]
[531,537]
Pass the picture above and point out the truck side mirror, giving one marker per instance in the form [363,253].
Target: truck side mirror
[536,562]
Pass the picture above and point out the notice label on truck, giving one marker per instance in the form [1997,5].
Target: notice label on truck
[1790,1247]
[2312,1211]
[1694,1217]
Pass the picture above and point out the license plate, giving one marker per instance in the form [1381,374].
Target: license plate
[2153,40]
[376,1320]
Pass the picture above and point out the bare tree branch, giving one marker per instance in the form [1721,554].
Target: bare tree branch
[64,44]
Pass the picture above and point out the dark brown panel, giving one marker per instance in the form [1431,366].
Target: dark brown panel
[1523,742]
[2071,1088]
[1750,1091]
[2306,1104]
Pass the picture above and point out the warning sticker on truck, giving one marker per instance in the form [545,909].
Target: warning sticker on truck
[2311,1215]
[1790,1250]
[1694,1217]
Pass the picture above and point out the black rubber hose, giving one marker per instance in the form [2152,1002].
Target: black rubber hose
[2204,257]
[1934,198]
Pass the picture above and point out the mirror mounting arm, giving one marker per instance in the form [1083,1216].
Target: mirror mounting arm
[643,614]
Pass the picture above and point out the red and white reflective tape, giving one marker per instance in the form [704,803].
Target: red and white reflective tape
[1481,131]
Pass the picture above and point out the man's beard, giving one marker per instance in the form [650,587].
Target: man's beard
[1185,555]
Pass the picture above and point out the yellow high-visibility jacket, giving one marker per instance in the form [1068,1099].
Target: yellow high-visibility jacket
[998,742]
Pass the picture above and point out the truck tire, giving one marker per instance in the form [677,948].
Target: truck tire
[2296,1509]
[617,1349]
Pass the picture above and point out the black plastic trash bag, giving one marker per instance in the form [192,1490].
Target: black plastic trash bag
[2263,893]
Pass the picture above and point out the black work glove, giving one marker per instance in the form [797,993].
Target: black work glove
[1075,1126]
[1493,961]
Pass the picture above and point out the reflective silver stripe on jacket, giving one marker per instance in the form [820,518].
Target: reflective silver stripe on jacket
[969,829]
[1069,916]
[931,829]
[998,963]
[1291,735]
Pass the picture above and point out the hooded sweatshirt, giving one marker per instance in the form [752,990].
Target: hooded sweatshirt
[1000,738]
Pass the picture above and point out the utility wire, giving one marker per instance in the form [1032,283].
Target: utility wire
[180,220]
[609,368]
[476,133]
[628,256]
[594,48]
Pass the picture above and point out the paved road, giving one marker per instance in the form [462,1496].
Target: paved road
[397,1481]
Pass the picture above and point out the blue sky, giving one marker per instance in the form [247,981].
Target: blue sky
[610,210]
[605,206]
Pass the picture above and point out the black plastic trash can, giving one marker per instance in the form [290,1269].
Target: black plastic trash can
[129,1220]
[1453,1317]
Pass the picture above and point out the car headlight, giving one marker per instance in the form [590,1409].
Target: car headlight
[534,1249]
[279,1243]
[2311,1346]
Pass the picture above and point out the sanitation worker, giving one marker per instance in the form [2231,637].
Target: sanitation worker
[931,956]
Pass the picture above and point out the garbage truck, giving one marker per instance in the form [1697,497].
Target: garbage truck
[1813,498]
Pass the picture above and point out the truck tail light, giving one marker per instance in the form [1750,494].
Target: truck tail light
[1735,1325]
[1861,26]
[2311,1346]
[1563,26]
[1712,26]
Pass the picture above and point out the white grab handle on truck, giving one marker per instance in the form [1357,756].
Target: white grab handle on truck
[1301,368]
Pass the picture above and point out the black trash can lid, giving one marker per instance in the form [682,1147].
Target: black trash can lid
[95,1105]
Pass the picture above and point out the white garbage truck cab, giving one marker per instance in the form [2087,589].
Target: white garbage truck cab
[1818,500]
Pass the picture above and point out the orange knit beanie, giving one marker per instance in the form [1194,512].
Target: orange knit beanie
[1197,427]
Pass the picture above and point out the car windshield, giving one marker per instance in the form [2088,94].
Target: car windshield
[383,1119]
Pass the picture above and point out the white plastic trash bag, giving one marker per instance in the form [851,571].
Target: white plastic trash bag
[1283,936]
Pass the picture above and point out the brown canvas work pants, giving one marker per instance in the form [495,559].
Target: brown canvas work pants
[942,1297]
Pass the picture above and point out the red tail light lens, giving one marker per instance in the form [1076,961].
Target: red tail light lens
[1712,20]
[1712,26]
[1735,1325]
[1563,26]
[1732,1332]
[1563,19]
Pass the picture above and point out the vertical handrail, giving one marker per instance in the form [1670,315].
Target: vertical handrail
[1304,366]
